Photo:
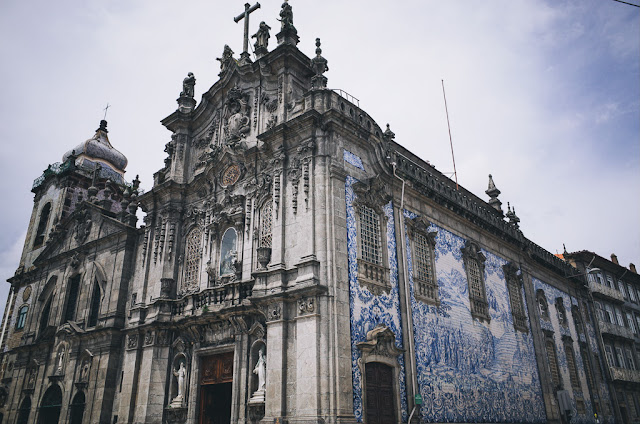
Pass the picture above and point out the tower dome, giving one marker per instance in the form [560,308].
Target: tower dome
[98,149]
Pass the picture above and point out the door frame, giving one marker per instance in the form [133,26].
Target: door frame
[395,368]
[194,403]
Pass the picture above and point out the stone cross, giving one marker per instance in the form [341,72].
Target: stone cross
[245,15]
[105,110]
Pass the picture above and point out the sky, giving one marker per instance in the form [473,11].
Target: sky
[544,95]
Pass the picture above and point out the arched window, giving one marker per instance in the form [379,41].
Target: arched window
[514,287]
[193,252]
[562,312]
[550,347]
[474,266]
[22,317]
[24,411]
[95,305]
[72,298]
[423,243]
[44,317]
[77,408]
[266,224]
[51,405]
[42,225]
[228,253]
[543,306]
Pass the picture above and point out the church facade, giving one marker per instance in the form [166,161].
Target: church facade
[295,264]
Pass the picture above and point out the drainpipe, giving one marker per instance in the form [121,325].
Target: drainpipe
[412,356]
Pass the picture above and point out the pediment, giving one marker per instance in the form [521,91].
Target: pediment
[86,225]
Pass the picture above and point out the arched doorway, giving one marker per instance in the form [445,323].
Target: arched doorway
[23,412]
[50,406]
[77,408]
[380,404]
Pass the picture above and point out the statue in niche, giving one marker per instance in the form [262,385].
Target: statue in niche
[228,253]
[238,124]
[260,370]
[262,36]
[181,377]
[188,85]
[60,360]
[84,371]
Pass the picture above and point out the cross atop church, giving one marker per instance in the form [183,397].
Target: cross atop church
[244,56]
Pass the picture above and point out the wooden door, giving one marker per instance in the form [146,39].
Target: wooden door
[380,407]
[216,380]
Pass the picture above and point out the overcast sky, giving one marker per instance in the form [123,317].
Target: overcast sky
[544,95]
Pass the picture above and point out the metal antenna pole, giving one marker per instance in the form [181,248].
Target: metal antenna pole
[455,173]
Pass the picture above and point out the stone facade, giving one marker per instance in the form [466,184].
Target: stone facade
[295,264]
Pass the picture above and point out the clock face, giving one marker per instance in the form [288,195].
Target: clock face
[26,293]
[230,175]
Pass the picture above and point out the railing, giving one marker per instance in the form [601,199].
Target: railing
[226,295]
[622,374]
[615,330]
[347,96]
[375,277]
[480,309]
[597,288]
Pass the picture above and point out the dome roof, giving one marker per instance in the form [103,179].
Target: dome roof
[99,149]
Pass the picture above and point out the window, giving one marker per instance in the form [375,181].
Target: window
[587,367]
[514,286]
[571,364]
[192,261]
[44,317]
[370,246]
[22,317]
[543,306]
[266,225]
[620,357]
[630,322]
[577,319]
[619,317]
[474,266]
[228,253]
[423,261]
[550,347]
[95,305]
[42,225]
[610,282]
[630,362]
[609,314]
[373,271]
[608,350]
[599,278]
[72,298]
[632,294]
[621,288]
[562,313]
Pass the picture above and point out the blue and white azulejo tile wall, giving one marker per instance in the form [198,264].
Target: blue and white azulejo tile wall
[368,310]
[470,371]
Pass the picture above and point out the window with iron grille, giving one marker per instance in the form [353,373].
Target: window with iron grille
[571,364]
[192,259]
[370,236]
[514,287]
[550,347]
[426,286]
[266,224]
[474,265]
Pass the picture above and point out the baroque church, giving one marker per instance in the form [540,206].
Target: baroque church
[295,264]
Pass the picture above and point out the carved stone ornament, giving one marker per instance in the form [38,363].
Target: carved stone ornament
[83,226]
[421,225]
[132,341]
[237,123]
[372,193]
[380,342]
[274,312]
[306,305]
[149,338]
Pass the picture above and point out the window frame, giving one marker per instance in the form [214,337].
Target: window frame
[43,223]
[21,318]
[424,290]
[515,283]
[192,253]
[472,257]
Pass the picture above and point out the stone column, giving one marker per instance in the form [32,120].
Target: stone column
[275,402]
[307,365]
[150,401]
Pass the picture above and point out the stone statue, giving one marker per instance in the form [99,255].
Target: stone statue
[181,375]
[61,354]
[188,85]
[262,36]
[261,369]
[286,15]
[84,372]
[226,59]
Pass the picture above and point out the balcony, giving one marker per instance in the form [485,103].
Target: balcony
[622,374]
[600,290]
[615,330]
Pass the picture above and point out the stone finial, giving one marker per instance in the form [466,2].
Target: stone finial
[513,218]
[493,192]
[262,40]
[288,33]
[103,126]
[319,66]
[614,259]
